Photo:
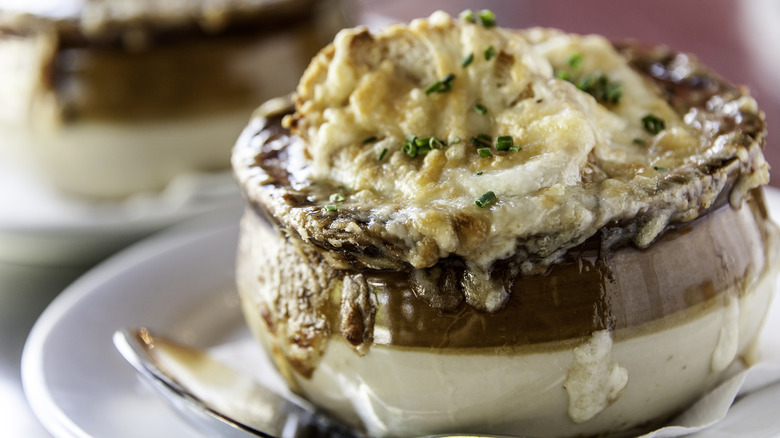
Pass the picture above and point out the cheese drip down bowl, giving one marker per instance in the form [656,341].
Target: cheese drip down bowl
[454,227]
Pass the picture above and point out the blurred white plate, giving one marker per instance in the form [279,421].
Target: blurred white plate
[180,283]
[40,226]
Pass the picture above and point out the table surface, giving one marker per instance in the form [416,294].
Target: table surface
[716,34]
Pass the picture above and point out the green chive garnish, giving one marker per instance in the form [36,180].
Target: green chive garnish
[441,86]
[484,152]
[454,139]
[489,53]
[598,85]
[653,124]
[562,74]
[575,61]
[370,139]
[585,83]
[435,143]
[487,17]
[613,92]
[331,208]
[480,109]
[479,173]
[639,141]
[515,148]
[504,142]
[382,154]
[661,168]
[468,15]
[415,146]
[481,140]
[486,199]
[337,197]
[410,146]
[467,60]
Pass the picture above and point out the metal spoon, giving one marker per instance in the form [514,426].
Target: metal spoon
[223,401]
[219,399]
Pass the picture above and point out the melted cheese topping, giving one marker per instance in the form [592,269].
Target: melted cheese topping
[581,164]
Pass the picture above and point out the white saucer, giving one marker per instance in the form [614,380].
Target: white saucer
[180,283]
[39,226]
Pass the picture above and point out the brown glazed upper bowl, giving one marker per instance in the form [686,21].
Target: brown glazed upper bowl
[605,321]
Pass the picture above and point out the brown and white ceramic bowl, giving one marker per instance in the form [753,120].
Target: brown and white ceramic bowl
[108,99]
[613,338]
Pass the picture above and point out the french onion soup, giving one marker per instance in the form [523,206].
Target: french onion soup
[456,227]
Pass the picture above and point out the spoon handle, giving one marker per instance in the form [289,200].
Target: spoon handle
[218,398]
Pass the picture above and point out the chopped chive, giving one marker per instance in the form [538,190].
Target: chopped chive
[598,85]
[428,142]
[468,15]
[415,146]
[486,199]
[441,86]
[653,124]
[435,143]
[484,152]
[479,173]
[614,92]
[382,154]
[331,208]
[515,148]
[585,83]
[504,142]
[480,109]
[467,60]
[480,140]
[410,146]
[454,139]
[337,197]
[487,17]
[562,74]
[639,141]
[477,142]
[370,139]
[489,53]
[660,168]
[575,61]
[422,150]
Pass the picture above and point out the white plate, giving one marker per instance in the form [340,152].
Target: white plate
[181,283]
[40,226]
